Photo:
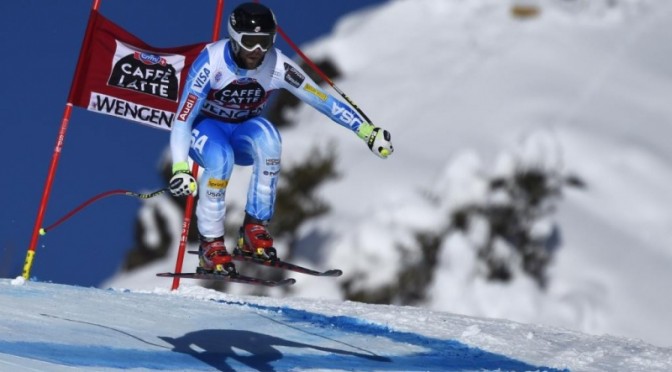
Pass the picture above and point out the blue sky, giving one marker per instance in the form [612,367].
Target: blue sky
[41,42]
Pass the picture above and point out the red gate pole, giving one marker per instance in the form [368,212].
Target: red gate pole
[60,141]
[194,171]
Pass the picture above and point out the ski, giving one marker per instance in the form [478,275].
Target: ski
[231,278]
[280,264]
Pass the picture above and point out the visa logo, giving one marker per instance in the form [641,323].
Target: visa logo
[202,78]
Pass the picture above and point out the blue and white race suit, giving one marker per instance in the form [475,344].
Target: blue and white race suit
[218,124]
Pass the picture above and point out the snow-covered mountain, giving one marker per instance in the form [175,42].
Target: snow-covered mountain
[468,91]
[52,327]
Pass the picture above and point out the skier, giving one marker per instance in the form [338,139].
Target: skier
[218,124]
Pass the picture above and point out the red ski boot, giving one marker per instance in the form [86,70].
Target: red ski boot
[213,257]
[255,241]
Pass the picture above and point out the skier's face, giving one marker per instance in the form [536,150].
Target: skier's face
[251,60]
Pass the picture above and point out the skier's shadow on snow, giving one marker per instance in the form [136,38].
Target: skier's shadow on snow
[256,350]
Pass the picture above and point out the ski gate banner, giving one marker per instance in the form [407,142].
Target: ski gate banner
[118,74]
[122,76]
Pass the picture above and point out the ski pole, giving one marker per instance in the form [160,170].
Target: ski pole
[44,230]
[322,74]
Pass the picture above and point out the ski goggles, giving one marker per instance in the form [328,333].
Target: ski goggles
[253,41]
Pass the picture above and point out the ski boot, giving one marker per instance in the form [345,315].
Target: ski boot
[213,257]
[255,241]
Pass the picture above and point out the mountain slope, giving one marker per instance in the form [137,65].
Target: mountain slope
[56,327]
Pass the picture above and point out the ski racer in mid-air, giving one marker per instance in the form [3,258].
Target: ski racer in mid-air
[218,125]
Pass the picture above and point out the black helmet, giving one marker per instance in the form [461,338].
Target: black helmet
[251,26]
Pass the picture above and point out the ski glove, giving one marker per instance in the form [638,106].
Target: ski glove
[182,183]
[378,139]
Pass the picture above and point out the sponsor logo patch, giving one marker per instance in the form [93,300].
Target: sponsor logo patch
[202,78]
[216,183]
[145,72]
[312,90]
[215,194]
[293,76]
[188,106]
[150,59]
[243,94]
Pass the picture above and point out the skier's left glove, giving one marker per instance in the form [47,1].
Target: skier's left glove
[378,139]
[182,183]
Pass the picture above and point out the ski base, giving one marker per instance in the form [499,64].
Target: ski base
[231,278]
[280,264]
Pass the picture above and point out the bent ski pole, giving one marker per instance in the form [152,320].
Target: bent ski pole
[44,230]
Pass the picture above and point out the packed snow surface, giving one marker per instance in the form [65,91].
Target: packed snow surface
[53,327]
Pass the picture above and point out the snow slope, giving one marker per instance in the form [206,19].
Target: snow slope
[52,327]
[465,91]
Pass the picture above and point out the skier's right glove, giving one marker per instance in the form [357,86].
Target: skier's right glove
[182,183]
[378,139]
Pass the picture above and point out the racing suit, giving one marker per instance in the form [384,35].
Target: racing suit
[218,125]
